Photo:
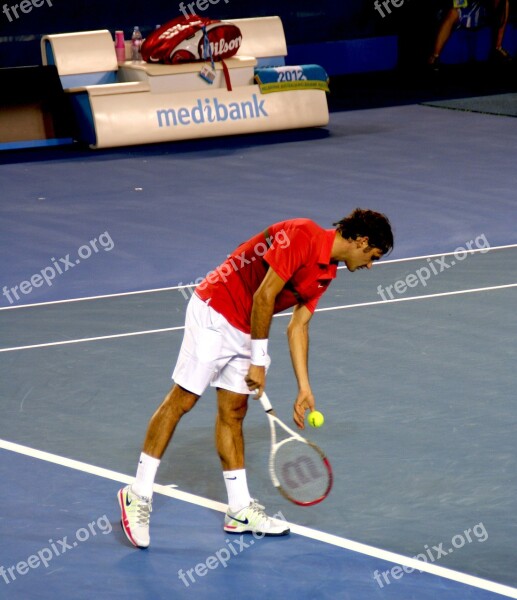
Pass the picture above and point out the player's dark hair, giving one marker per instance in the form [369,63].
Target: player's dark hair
[367,223]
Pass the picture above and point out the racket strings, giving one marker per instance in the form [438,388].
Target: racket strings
[302,472]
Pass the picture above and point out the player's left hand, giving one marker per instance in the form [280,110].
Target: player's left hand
[303,403]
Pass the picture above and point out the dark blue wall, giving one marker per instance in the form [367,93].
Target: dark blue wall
[324,19]
[305,21]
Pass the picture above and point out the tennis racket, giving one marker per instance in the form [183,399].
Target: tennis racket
[298,468]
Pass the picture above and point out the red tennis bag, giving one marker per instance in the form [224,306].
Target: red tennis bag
[182,40]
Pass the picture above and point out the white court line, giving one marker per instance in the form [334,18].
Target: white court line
[284,314]
[464,251]
[426,297]
[180,287]
[85,298]
[314,534]
[93,339]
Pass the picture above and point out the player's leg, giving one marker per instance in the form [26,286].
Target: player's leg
[232,406]
[444,33]
[135,500]
[244,514]
[229,440]
[176,403]
[194,368]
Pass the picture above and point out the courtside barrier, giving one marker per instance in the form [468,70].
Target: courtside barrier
[128,103]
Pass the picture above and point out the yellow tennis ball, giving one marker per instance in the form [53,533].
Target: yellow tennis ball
[316,419]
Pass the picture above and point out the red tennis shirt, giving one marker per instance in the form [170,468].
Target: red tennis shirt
[297,250]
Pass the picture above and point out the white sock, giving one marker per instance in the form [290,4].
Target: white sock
[237,488]
[145,474]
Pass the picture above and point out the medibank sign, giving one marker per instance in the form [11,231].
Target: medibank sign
[212,110]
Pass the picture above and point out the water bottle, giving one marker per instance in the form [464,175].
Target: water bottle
[136,42]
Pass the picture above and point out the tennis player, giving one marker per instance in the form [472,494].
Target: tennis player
[225,345]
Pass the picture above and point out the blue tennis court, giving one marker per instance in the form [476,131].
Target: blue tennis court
[411,362]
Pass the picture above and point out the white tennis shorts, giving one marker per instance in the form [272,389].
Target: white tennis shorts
[213,352]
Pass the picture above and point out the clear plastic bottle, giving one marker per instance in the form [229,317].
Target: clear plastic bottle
[136,43]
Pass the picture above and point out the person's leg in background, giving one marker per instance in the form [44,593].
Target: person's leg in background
[447,26]
[501,11]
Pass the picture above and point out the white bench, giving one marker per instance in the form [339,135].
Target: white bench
[134,103]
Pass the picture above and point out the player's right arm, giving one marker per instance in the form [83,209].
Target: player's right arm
[261,315]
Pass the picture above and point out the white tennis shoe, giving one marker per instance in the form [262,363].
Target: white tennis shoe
[253,519]
[136,511]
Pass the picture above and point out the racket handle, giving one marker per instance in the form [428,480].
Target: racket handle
[266,404]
